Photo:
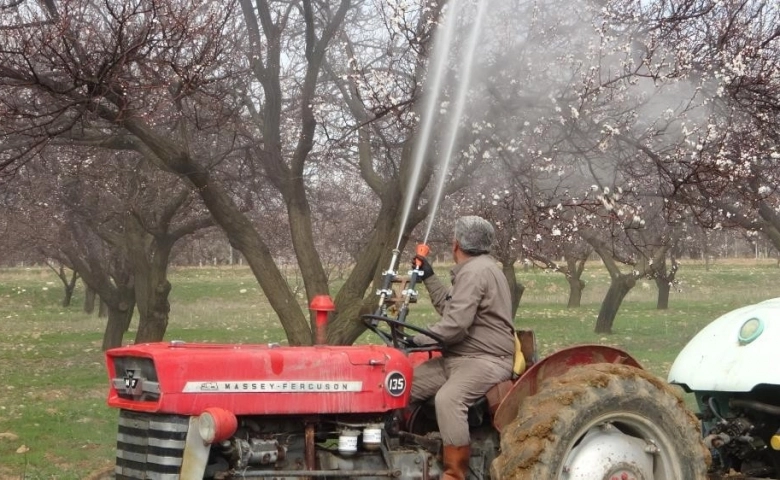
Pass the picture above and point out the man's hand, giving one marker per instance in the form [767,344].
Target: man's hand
[425,267]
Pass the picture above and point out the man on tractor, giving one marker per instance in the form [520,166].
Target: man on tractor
[477,330]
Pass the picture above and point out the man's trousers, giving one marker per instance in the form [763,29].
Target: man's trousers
[457,383]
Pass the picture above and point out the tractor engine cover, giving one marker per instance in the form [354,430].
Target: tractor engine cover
[183,378]
[733,353]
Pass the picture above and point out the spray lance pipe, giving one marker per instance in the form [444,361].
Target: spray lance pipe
[409,293]
[387,279]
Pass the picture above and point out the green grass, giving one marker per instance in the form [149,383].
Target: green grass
[54,423]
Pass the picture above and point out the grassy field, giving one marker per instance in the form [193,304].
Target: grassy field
[54,423]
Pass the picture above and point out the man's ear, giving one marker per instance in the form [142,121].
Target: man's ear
[455,250]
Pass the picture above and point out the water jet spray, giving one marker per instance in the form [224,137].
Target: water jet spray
[466,67]
[442,49]
[433,93]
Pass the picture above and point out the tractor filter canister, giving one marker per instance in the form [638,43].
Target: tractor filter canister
[372,436]
[348,441]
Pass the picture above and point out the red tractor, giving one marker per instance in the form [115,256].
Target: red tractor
[203,411]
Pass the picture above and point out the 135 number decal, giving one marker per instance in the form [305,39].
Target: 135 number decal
[395,384]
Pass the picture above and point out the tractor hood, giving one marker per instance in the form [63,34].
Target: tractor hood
[185,378]
[734,353]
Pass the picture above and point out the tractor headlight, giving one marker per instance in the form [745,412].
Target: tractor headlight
[750,330]
[216,424]
[207,427]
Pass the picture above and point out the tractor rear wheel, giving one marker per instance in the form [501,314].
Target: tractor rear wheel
[604,422]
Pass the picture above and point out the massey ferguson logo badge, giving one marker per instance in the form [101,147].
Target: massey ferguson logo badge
[132,383]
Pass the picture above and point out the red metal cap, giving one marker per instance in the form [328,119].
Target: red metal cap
[322,303]
[422,250]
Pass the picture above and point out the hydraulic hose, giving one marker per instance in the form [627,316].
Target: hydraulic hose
[755,405]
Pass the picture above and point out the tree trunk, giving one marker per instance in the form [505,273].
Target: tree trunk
[68,296]
[576,286]
[618,289]
[664,288]
[515,289]
[153,309]
[89,300]
[315,279]
[69,285]
[664,277]
[114,285]
[119,317]
[352,301]
[575,265]
[149,255]
[244,238]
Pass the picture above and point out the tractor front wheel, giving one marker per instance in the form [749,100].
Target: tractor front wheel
[602,421]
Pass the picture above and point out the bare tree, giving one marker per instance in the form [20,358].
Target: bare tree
[725,168]
[132,212]
[68,281]
[170,80]
[104,269]
[263,108]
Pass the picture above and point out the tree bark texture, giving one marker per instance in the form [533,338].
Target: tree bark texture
[664,288]
[316,280]
[148,255]
[516,289]
[618,289]
[89,300]
[576,286]
[119,317]
[664,278]
[68,294]
[68,284]
[575,265]
[155,309]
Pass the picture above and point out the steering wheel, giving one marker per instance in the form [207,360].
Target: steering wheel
[396,337]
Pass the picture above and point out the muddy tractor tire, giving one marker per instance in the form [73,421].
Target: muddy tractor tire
[602,421]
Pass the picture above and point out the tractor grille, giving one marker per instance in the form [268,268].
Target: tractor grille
[137,379]
[150,446]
